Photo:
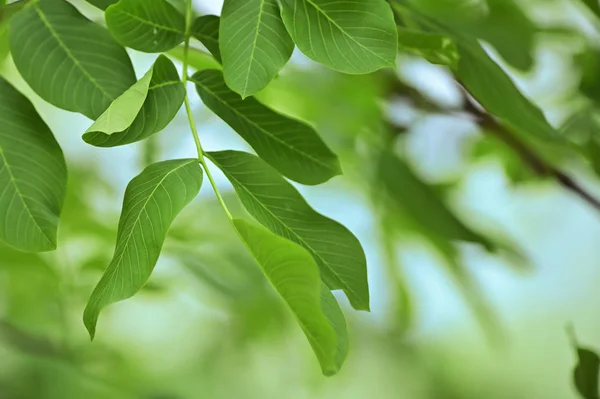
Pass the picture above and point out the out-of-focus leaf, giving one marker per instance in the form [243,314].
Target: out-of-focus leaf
[56,50]
[102,4]
[290,146]
[583,128]
[589,63]
[587,371]
[143,110]
[254,44]
[435,48]
[277,205]
[152,201]
[593,5]
[33,175]
[295,275]
[206,30]
[151,26]
[197,59]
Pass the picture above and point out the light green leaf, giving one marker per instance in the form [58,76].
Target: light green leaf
[435,48]
[102,4]
[197,59]
[145,109]
[68,60]
[277,205]
[290,146]
[346,35]
[206,30]
[336,318]
[33,175]
[294,274]
[151,26]
[254,44]
[152,201]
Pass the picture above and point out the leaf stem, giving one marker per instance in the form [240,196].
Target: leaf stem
[188,110]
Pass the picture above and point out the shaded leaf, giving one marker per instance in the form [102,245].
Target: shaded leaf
[50,43]
[102,4]
[290,146]
[346,35]
[197,59]
[585,374]
[151,26]
[295,276]
[254,44]
[593,5]
[277,205]
[435,48]
[206,30]
[33,175]
[152,201]
[143,110]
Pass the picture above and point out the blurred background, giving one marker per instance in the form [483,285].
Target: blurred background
[449,319]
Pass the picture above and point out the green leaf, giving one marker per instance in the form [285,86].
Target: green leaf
[254,43]
[336,318]
[152,201]
[435,48]
[294,274]
[197,59]
[346,35]
[277,205]
[143,110]
[33,175]
[585,374]
[290,146]
[102,4]
[206,30]
[151,26]
[593,5]
[68,60]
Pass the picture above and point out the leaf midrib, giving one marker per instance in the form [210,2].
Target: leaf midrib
[254,42]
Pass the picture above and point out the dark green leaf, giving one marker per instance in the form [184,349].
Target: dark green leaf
[33,175]
[152,201]
[102,4]
[206,30]
[346,35]
[435,48]
[290,146]
[68,60]
[585,374]
[277,205]
[294,274]
[151,26]
[254,44]
[143,110]
[593,5]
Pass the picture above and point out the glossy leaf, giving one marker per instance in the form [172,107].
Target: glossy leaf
[68,60]
[151,26]
[145,109]
[295,276]
[435,48]
[277,205]
[206,30]
[33,175]
[254,44]
[346,35]
[152,201]
[290,146]
[102,4]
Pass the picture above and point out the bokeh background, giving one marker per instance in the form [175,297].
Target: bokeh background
[449,320]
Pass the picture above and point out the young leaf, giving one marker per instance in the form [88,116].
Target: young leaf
[254,44]
[206,30]
[102,4]
[346,35]
[435,48]
[152,201]
[68,60]
[143,110]
[33,175]
[151,26]
[294,274]
[290,146]
[277,205]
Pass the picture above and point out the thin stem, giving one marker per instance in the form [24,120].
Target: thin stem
[188,110]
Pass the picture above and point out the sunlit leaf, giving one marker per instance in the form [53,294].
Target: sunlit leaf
[68,60]
[295,276]
[151,26]
[254,44]
[277,205]
[33,175]
[435,48]
[290,146]
[336,318]
[152,201]
[346,35]
[143,110]
[206,30]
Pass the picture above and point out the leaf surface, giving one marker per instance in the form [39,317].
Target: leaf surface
[206,30]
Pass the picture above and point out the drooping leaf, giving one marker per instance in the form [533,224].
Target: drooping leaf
[151,26]
[336,318]
[277,205]
[346,35]
[295,276]
[33,175]
[435,48]
[254,44]
[290,146]
[206,30]
[143,110]
[68,60]
[152,201]
[102,4]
